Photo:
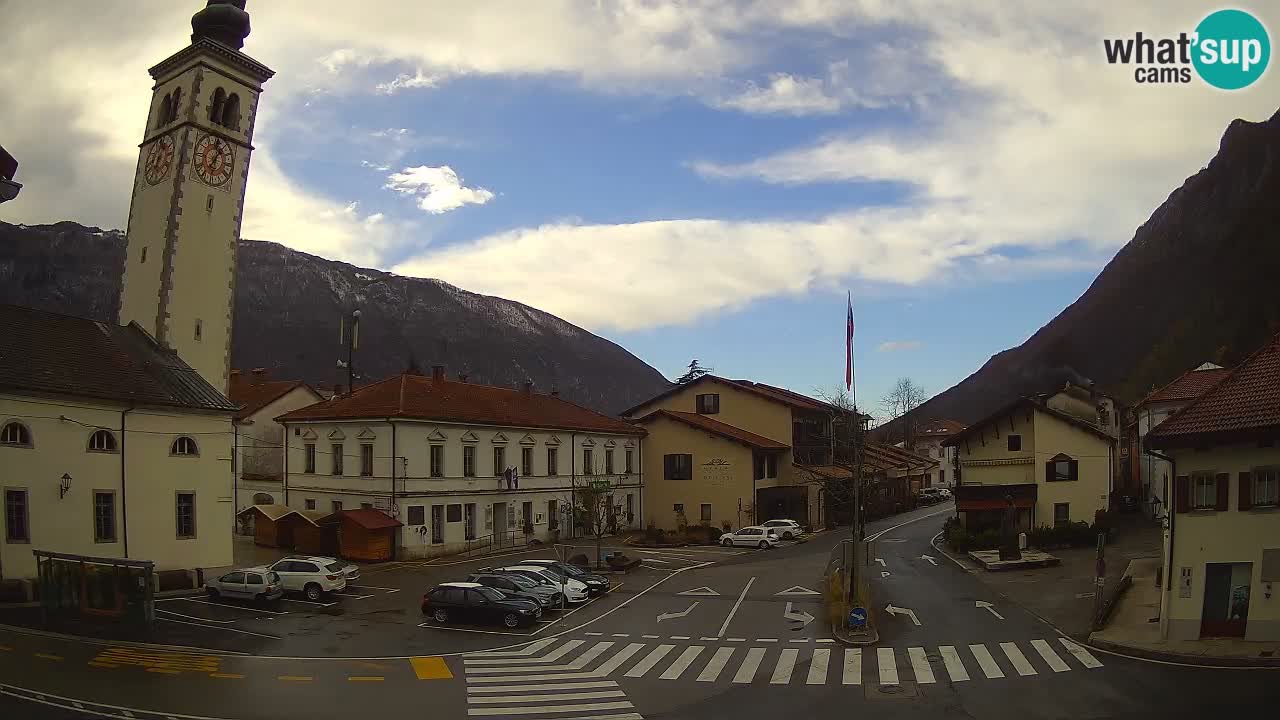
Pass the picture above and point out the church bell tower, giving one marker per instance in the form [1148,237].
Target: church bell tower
[188,192]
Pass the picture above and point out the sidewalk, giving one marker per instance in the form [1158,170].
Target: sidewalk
[1134,629]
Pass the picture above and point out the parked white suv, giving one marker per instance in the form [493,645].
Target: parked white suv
[753,536]
[310,576]
[785,529]
[574,591]
[350,571]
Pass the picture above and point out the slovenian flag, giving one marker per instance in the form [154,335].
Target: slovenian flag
[848,349]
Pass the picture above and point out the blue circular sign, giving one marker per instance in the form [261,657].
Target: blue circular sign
[1232,49]
[857,617]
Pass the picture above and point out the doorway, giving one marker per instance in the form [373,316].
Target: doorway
[500,533]
[1226,599]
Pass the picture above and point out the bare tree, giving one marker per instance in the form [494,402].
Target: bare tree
[899,406]
[694,372]
[847,442]
[593,505]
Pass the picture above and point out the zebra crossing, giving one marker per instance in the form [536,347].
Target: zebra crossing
[567,670]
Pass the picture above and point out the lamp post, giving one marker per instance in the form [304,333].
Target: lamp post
[352,341]
[65,486]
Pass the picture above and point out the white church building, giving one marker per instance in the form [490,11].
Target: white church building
[116,438]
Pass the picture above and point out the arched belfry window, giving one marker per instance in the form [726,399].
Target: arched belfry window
[165,109]
[176,106]
[231,112]
[215,110]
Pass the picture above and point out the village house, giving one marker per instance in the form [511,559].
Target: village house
[259,439]
[461,464]
[1222,540]
[929,439]
[1047,455]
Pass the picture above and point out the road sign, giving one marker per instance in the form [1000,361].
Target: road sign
[858,617]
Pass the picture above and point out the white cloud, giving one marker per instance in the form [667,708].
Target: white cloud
[899,345]
[438,189]
[784,93]
[418,80]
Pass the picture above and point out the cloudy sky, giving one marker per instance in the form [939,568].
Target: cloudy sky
[690,179]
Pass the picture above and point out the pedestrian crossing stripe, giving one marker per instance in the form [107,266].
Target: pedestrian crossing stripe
[568,664]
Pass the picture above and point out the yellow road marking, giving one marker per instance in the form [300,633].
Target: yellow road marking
[165,671]
[430,668]
[95,663]
[47,656]
[227,676]
[366,678]
[294,678]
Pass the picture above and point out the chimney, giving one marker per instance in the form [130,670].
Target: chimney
[259,375]
[528,388]
[462,378]
[437,373]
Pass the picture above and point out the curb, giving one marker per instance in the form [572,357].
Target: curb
[1199,660]
[843,638]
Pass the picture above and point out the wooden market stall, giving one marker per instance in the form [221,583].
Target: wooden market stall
[364,534]
[270,525]
[308,534]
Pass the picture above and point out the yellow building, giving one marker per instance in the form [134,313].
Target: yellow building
[1222,540]
[763,432]
[1055,466]
[116,440]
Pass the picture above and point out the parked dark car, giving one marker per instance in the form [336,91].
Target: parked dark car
[596,584]
[477,604]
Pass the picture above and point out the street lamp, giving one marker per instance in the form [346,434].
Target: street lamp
[352,341]
[64,486]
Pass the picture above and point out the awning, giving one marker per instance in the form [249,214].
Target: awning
[994,504]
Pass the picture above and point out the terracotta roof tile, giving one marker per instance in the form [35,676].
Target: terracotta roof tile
[769,392]
[1188,386]
[253,395]
[421,398]
[1246,402]
[725,430]
[940,428]
[45,352]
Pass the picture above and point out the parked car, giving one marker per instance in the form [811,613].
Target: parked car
[474,603]
[596,584]
[752,536]
[251,584]
[515,585]
[945,493]
[785,529]
[929,496]
[349,571]
[310,576]
[574,591]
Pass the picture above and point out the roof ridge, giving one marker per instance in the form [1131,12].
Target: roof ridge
[1231,375]
[1176,380]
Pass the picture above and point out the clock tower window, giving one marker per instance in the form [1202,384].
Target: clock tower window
[162,114]
[215,110]
[231,112]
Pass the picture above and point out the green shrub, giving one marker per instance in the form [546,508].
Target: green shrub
[986,540]
[954,534]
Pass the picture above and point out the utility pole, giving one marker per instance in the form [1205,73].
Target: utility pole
[352,341]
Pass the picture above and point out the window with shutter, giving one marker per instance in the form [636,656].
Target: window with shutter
[1182,492]
[1223,482]
[1244,501]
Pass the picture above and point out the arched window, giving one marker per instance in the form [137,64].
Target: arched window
[102,441]
[163,112]
[15,433]
[215,110]
[184,446]
[263,499]
[176,106]
[231,112]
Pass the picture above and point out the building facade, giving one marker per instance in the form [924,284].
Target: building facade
[259,439]
[462,465]
[1222,540]
[929,441]
[1056,467]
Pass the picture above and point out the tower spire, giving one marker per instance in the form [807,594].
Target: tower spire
[223,20]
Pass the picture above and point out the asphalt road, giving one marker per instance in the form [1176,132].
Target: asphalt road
[699,633]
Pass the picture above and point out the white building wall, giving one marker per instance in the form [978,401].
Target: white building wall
[1156,474]
[260,447]
[60,432]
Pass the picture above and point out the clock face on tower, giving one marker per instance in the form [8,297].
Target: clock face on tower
[159,160]
[214,160]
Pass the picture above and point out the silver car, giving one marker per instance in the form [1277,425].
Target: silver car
[250,584]
[517,585]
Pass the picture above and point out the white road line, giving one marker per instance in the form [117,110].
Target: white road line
[1080,653]
[587,657]
[229,607]
[530,649]
[825,640]
[986,662]
[1051,658]
[593,634]
[800,640]
[680,637]
[766,639]
[734,611]
[353,597]
[712,639]
[888,666]
[653,658]
[647,637]
[621,635]
[545,686]
[656,560]
[715,666]
[1019,660]
[852,666]
[682,663]
[818,667]
[540,709]
[194,617]
[553,697]
[920,665]
[551,677]
[224,629]
[308,602]
[951,658]
[375,587]
[617,660]
[786,665]
[747,671]
[550,657]
[735,639]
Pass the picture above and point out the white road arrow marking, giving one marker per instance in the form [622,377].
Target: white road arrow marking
[797,590]
[930,559]
[881,561]
[903,611]
[885,573]
[668,616]
[801,617]
[704,590]
[987,605]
